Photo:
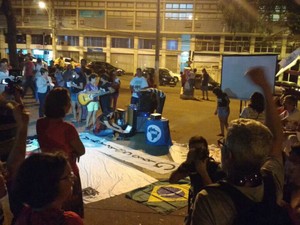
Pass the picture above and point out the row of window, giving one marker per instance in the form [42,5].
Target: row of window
[202,43]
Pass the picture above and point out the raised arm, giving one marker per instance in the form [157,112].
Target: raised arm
[257,75]
[17,154]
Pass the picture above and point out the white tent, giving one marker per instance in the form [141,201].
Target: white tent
[288,67]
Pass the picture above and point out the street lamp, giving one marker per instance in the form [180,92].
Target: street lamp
[51,23]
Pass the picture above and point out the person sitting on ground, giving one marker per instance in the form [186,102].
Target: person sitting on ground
[251,153]
[43,183]
[93,106]
[255,110]
[201,169]
[105,126]
[222,109]
[54,134]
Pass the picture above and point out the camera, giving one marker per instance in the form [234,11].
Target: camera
[12,85]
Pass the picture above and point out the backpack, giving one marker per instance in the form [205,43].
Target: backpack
[266,212]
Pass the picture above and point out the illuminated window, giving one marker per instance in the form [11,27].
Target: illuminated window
[172,45]
[179,11]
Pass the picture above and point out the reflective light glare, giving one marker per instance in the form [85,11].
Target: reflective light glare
[42,4]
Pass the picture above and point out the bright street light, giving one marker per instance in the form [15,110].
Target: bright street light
[42,4]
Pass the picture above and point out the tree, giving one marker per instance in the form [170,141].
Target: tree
[260,15]
[6,8]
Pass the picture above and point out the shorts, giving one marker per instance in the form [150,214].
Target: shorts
[204,88]
[74,97]
[223,111]
[93,106]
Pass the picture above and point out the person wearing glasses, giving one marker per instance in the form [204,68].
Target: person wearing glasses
[201,169]
[43,183]
[250,151]
[54,134]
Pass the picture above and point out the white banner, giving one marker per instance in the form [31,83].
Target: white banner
[104,177]
[136,157]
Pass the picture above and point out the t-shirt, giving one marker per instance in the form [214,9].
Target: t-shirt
[205,79]
[223,101]
[92,88]
[54,135]
[77,81]
[217,208]
[293,119]
[138,83]
[250,113]
[48,217]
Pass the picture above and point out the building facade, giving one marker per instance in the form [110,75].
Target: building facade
[123,33]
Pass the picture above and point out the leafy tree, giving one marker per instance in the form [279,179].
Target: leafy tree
[260,15]
[6,8]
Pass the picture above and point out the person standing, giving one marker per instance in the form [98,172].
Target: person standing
[222,109]
[93,106]
[29,69]
[116,83]
[136,84]
[252,158]
[105,100]
[204,84]
[77,85]
[43,85]
[56,135]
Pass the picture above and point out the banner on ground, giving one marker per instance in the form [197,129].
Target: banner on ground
[138,158]
[104,177]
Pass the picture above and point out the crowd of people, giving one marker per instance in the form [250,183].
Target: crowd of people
[259,167]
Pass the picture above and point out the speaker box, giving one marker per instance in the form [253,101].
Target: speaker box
[141,120]
[147,102]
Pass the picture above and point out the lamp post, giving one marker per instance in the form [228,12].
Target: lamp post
[51,23]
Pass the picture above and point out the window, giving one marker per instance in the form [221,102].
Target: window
[179,11]
[68,40]
[263,45]
[122,42]
[146,44]
[172,45]
[37,39]
[237,44]
[95,41]
[207,43]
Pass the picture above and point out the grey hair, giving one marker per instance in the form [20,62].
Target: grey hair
[249,142]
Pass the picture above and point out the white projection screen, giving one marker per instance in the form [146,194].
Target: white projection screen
[235,83]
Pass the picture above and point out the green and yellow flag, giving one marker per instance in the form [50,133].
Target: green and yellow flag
[162,196]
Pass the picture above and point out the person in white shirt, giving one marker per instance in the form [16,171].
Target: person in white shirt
[3,74]
[43,84]
[136,84]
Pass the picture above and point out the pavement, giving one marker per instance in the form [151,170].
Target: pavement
[186,119]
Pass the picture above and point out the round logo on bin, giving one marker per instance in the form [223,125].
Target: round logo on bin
[153,133]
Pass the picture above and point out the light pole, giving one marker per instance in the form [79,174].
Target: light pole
[51,23]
